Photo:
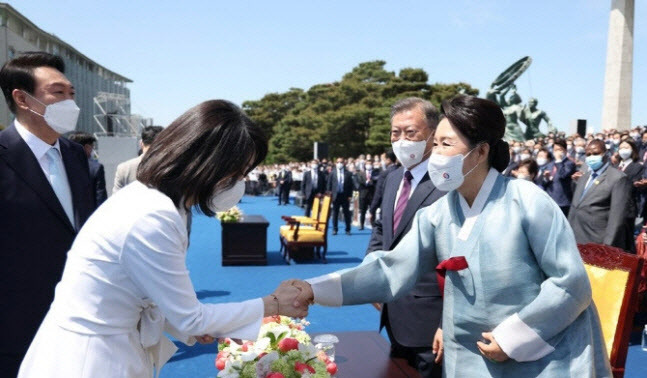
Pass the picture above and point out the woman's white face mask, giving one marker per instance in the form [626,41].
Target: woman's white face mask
[446,172]
[228,198]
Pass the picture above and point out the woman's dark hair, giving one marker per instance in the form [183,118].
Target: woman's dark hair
[18,73]
[531,165]
[634,148]
[480,121]
[207,149]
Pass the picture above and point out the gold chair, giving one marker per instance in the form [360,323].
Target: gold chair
[314,214]
[612,272]
[307,234]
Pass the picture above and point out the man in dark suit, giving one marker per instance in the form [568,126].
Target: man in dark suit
[555,176]
[45,196]
[366,181]
[601,201]
[314,182]
[341,186]
[97,173]
[284,183]
[411,321]
[390,164]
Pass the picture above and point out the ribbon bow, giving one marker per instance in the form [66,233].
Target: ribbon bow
[453,263]
[151,334]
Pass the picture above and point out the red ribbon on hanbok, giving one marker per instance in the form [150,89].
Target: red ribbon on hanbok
[453,263]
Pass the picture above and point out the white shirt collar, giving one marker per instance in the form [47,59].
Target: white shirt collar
[37,146]
[419,171]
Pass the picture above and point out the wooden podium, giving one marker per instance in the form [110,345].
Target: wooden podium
[245,242]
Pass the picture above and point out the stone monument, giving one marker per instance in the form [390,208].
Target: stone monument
[616,108]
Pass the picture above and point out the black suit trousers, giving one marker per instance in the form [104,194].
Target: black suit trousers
[341,201]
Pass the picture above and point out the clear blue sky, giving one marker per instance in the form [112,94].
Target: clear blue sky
[179,53]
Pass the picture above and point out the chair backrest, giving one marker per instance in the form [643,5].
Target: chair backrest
[612,271]
[324,213]
[315,208]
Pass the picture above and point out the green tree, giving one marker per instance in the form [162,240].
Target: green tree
[351,115]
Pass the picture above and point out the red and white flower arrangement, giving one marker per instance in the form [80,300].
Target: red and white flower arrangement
[283,350]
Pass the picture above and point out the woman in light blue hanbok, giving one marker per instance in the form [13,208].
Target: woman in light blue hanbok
[517,300]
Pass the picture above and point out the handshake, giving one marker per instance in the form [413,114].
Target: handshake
[291,298]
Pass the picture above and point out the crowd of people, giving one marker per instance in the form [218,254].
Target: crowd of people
[568,167]
[556,163]
[366,174]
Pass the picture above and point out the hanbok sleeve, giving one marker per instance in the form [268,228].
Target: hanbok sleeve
[565,293]
[154,254]
[383,275]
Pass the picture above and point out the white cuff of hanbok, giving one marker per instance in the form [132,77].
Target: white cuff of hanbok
[519,341]
[327,289]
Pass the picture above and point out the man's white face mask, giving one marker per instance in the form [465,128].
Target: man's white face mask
[60,116]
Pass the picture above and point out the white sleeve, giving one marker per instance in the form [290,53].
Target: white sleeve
[327,289]
[153,255]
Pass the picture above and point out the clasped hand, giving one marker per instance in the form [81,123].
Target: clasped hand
[291,298]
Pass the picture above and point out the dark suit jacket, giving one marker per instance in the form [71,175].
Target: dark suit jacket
[415,317]
[599,216]
[286,177]
[307,187]
[367,189]
[560,187]
[35,234]
[333,184]
[379,187]
[98,178]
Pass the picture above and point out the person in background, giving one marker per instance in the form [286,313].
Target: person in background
[514,162]
[97,173]
[526,153]
[642,153]
[555,176]
[314,182]
[45,195]
[601,201]
[527,170]
[127,171]
[366,181]
[579,154]
[283,184]
[629,163]
[389,164]
[340,185]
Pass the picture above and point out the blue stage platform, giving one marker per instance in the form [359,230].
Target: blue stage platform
[215,283]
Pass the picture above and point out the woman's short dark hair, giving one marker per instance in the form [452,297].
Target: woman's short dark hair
[207,149]
[531,165]
[18,73]
[480,121]
[634,149]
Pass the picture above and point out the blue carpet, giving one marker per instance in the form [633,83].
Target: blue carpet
[215,283]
